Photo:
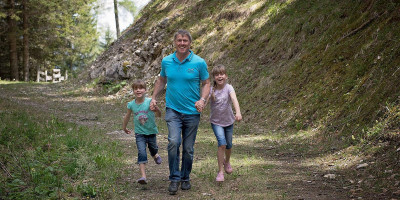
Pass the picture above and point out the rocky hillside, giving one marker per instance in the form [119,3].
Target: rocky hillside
[330,66]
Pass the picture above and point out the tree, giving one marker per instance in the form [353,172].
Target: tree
[82,40]
[53,33]
[108,38]
[116,17]
[45,34]
[12,39]
[128,5]
[25,40]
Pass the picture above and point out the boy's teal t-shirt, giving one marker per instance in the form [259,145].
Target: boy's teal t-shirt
[143,118]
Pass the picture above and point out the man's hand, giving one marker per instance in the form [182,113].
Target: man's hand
[199,105]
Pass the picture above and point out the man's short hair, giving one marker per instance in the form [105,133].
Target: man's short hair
[183,32]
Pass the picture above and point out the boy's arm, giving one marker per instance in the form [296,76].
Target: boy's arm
[235,102]
[126,120]
[157,111]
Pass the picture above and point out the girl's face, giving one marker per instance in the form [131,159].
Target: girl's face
[220,79]
[139,92]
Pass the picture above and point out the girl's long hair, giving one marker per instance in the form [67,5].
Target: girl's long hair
[218,69]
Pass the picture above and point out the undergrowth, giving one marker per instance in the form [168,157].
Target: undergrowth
[50,159]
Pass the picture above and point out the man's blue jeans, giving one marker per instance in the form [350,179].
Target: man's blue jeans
[182,128]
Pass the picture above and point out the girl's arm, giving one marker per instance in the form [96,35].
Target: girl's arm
[235,102]
[126,120]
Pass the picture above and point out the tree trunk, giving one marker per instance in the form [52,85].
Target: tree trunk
[116,17]
[26,41]
[12,37]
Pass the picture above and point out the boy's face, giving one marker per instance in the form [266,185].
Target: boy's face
[139,92]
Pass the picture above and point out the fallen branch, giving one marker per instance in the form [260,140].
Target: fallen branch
[5,169]
[359,28]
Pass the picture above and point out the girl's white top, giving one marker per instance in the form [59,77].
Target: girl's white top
[221,108]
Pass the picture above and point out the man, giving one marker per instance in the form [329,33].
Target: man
[184,72]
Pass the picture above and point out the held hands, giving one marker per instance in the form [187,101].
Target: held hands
[199,105]
[153,105]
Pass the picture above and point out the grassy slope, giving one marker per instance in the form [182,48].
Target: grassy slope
[332,65]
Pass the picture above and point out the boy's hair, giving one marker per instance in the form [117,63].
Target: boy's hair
[218,69]
[183,32]
[139,84]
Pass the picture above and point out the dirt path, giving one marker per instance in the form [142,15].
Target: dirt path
[264,168]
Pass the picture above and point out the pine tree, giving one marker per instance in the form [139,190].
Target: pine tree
[12,40]
[25,57]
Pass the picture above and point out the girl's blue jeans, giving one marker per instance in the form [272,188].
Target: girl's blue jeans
[141,141]
[223,135]
[182,128]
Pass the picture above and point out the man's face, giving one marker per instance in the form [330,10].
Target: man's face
[182,44]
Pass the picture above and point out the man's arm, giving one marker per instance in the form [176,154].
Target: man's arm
[205,91]
[159,86]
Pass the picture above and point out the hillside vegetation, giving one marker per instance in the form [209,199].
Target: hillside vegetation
[330,66]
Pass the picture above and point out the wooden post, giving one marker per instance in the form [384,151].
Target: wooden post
[56,75]
[38,75]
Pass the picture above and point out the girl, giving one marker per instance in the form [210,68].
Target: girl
[221,97]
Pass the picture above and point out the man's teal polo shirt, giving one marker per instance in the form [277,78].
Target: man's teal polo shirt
[183,81]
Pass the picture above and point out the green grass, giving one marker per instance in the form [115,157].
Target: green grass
[46,158]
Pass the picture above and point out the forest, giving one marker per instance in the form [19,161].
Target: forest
[40,35]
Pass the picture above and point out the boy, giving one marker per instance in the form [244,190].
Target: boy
[145,126]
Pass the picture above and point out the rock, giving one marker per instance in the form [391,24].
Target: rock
[111,72]
[163,24]
[144,53]
[137,52]
[362,165]
[330,176]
